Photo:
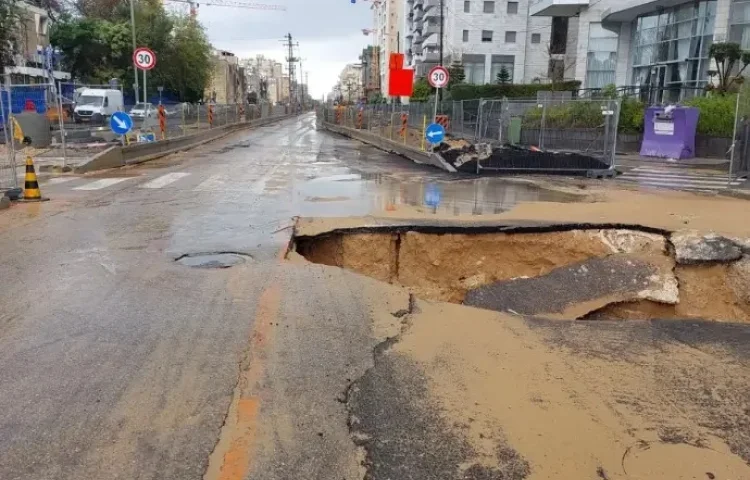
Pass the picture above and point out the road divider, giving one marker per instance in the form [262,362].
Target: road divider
[119,156]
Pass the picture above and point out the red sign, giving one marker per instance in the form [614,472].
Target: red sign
[401,83]
[438,77]
[144,58]
[396,61]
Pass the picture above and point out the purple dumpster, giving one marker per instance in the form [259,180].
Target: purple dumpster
[669,132]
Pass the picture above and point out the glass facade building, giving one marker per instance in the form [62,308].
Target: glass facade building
[670,50]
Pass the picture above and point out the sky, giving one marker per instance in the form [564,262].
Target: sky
[329,33]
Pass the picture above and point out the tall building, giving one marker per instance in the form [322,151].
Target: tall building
[370,60]
[389,34]
[659,48]
[485,36]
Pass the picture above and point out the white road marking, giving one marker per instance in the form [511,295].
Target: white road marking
[677,178]
[165,180]
[103,183]
[260,185]
[58,180]
[212,183]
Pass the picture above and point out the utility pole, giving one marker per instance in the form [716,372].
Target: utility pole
[442,26]
[135,69]
[291,60]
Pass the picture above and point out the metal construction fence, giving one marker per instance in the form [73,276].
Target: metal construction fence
[47,117]
[585,126]
[739,155]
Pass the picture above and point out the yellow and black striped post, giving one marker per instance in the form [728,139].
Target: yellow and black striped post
[210,116]
[162,122]
[31,192]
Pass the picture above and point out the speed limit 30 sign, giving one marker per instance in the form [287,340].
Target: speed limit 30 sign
[438,77]
[144,58]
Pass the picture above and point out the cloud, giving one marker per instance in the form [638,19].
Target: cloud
[329,33]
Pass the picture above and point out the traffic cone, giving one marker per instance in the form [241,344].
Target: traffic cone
[31,192]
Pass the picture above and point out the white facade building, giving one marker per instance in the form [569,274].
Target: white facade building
[656,48]
[350,83]
[389,34]
[485,36]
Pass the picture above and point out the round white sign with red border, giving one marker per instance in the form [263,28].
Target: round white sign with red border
[144,58]
[438,77]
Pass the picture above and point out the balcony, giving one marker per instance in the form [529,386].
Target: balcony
[431,30]
[432,5]
[418,3]
[418,50]
[557,8]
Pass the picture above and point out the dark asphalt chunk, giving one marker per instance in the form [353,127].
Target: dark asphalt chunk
[400,427]
[614,276]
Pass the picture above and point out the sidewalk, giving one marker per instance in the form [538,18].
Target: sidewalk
[632,160]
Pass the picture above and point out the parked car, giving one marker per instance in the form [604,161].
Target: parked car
[96,105]
[143,110]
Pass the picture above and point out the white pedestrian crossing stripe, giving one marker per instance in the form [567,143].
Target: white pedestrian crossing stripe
[103,183]
[58,180]
[164,180]
[678,179]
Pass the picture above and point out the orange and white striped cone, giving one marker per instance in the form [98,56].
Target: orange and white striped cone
[31,192]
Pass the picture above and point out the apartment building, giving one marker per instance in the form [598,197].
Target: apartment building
[228,82]
[350,81]
[388,34]
[33,56]
[658,48]
[261,68]
[370,60]
[485,36]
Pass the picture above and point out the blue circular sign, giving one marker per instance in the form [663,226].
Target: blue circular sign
[120,123]
[435,133]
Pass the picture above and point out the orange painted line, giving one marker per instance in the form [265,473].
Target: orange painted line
[237,460]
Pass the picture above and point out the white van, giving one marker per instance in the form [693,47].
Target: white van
[96,105]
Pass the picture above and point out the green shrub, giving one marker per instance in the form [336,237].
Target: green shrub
[510,90]
[631,115]
[716,117]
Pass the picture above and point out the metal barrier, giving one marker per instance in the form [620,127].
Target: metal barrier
[584,129]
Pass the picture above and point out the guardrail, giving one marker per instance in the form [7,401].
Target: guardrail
[119,156]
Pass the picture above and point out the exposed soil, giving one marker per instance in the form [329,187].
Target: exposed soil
[643,283]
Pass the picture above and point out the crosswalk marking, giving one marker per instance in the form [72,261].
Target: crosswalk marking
[164,180]
[214,182]
[103,183]
[59,180]
[677,178]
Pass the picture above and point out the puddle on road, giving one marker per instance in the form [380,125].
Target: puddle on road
[212,260]
[479,196]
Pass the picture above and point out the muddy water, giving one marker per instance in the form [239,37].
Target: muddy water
[349,193]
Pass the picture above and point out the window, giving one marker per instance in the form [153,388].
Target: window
[467,6]
[536,38]
[500,63]
[510,37]
[466,35]
[512,7]
[489,7]
[473,69]
[486,36]
[559,35]
[601,57]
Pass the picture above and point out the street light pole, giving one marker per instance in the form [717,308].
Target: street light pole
[132,28]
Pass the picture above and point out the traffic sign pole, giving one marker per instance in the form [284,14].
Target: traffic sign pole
[438,78]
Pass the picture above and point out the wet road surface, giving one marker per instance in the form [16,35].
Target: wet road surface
[119,362]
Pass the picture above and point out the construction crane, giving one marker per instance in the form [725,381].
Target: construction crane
[229,3]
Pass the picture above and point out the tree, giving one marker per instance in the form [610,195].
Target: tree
[96,44]
[503,76]
[422,90]
[726,55]
[457,75]
[252,98]
[10,18]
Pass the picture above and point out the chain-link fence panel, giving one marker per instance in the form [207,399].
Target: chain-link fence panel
[739,159]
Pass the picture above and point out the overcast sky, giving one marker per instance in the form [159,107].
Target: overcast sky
[329,33]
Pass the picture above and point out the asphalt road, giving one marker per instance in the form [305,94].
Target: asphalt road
[118,362]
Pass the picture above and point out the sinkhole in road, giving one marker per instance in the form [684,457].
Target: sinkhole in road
[212,259]
[565,272]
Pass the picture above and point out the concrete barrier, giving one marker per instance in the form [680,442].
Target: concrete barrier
[118,156]
[416,156]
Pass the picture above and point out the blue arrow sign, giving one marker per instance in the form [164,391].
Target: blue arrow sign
[435,133]
[120,123]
